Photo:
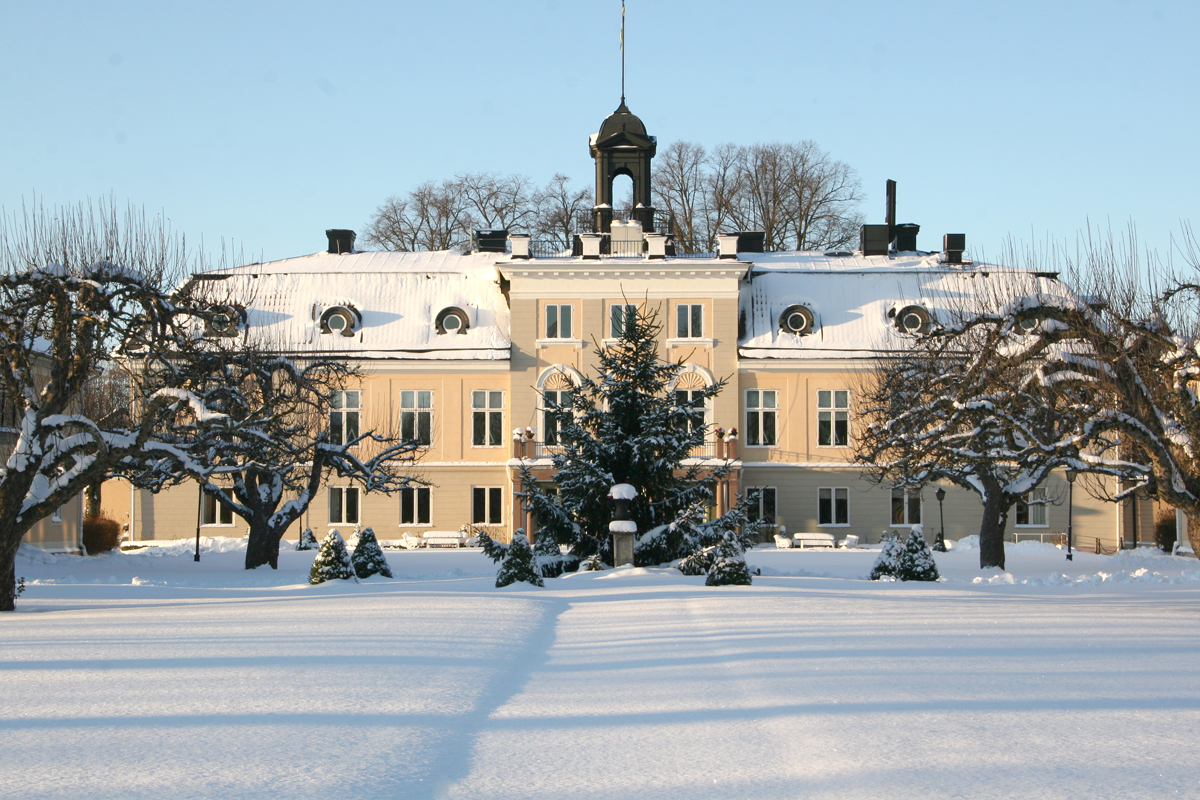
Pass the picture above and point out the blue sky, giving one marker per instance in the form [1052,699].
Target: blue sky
[265,124]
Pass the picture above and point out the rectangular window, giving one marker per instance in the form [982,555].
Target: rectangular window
[833,418]
[692,399]
[553,399]
[689,321]
[343,505]
[416,416]
[344,410]
[558,321]
[906,507]
[762,504]
[487,418]
[213,513]
[833,506]
[1030,512]
[487,505]
[620,317]
[414,505]
[762,407]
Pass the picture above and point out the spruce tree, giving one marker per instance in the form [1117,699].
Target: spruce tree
[519,564]
[307,541]
[728,564]
[368,558]
[332,562]
[888,563]
[916,562]
[624,426]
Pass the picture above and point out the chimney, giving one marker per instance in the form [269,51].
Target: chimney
[889,213]
[953,244]
[905,237]
[873,240]
[491,241]
[340,241]
[520,245]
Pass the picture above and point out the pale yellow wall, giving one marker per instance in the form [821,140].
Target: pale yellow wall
[64,535]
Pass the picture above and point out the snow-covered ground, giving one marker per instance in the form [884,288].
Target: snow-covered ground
[145,674]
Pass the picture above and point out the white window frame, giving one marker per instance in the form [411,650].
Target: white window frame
[561,331]
[834,493]
[758,509]
[630,310]
[493,500]
[343,416]
[549,424]
[489,414]
[689,321]
[691,398]
[415,493]
[343,493]
[756,408]
[212,513]
[1030,510]
[828,411]
[417,411]
[908,496]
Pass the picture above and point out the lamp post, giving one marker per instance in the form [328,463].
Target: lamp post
[1070,510]
[940,544]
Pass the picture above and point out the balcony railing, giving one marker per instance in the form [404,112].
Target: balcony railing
[539,449]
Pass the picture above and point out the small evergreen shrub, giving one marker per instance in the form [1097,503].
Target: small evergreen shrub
[307,540]
[592,563]
[352,542]
[550,558]
[729,564]
[495,550]
[699,562]
[101,534]
[519,564]
[939,544]
[888,563]
[916,563]
[332,562]
[368,558]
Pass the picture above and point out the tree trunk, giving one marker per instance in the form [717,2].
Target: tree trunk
[91,500]
[991,530]
[262,546]
[8,579]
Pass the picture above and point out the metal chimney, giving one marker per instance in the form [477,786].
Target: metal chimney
[953,245]
[340,240]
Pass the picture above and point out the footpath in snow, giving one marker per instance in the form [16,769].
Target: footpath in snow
[145,674]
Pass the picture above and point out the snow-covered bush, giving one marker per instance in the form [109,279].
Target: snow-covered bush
[495,550]
[518,564]
[728,564]
[888,563]
[332,562]
[592,564]
[307,540]
[699,562]
[916,562]
[551,560]
[939,544]
[368,558]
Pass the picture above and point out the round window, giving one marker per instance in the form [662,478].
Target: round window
[337,322]
[451,323]
[339,319]
[451,320]
[913,319]
[797,319]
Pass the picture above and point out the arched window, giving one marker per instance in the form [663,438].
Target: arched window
[689,388]
[554,387]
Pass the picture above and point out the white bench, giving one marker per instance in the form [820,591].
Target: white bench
[804,540]
[782,542]
[444,538]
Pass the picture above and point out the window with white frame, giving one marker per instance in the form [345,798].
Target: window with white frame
[833,418]
[1031,509]
[414,505]
[343,505]
[552,400]
[558,321]
[762,410]
[487,418]
[345,409]
[833,506]
[689,321]
[487,505]
[213,513]
[906,507]
[621,316]
[692,399]
[416,416]
[762,504]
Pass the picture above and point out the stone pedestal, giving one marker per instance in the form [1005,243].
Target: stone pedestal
[622,549]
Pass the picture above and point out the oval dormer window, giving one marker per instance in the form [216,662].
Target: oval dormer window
[340,319]
[452,320]
[226,321]
[913,319]
[797,319]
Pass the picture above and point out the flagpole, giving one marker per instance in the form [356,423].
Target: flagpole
[622,52]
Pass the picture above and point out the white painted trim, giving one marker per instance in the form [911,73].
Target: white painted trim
[575,376]
[576,343]
[702,342]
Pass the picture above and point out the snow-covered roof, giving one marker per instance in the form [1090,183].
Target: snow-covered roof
[397,296]
[855,300]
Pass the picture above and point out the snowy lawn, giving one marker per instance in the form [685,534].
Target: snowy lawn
[145,674]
